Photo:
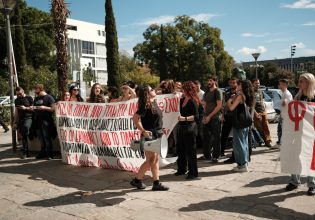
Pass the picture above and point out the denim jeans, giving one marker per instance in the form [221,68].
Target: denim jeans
[44,136]
[240,145]
[295,180]
[25,130]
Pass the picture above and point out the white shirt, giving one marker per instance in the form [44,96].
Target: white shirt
[286,97]
[200,94]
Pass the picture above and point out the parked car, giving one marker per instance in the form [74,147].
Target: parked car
[5,100]
[272,115]
[275,95]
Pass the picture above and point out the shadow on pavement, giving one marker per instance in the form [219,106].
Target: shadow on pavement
[260,205]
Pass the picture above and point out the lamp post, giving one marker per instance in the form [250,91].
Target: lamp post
[6,6]
[293,47]
[256,55]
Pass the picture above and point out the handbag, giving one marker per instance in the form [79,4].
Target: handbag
[241,117]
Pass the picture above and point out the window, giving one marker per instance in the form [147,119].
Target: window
[103,33]
[98,32]
[87,47]
[100,49]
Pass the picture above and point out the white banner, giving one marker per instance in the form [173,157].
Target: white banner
[99,135]
[298,146]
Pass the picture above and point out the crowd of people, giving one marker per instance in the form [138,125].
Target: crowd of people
[206,120]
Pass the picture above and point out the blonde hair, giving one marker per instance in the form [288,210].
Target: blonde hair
[310,79]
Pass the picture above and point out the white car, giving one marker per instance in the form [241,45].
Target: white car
[275,95]
[272,115]
[5,100]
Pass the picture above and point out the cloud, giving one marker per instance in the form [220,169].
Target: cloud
[299,45]
[279,40]
[249,51]
[128,39]
[300,4]
[164,19]
[310,23]
[247,34]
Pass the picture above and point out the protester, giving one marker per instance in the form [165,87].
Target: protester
[75,94]
[285,98]
[97,94]
[178,87]
[148,120]
[65,96]
[212,126]
[186,145]
[128,91]
[227,119]
[43,121]
[260,115]
[200,94]
[113,94]
[306,93]
[240,135]
[2,123]
[169,87]
[23,117]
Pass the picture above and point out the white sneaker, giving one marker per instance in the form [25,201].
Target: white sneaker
[241,169]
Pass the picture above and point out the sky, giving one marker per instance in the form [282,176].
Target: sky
[269,27]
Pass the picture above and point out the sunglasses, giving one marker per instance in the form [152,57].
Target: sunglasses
[75,89]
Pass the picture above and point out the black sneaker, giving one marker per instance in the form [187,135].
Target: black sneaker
[204,158]
[191,177]
[290,187]
[139,185]
[24,156]
[311,191]
[230,160]
[40,156]
[179,173]
[6,130]
[159,187]
[268,144]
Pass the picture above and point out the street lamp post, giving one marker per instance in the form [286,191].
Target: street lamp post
[256,55]
[6,7]
[293,47]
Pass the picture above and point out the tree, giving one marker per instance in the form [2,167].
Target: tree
[188,49]
[19,48]
[111,43]
[59,13]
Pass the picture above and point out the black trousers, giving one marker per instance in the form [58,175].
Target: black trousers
[212,138]
[186,149]
[25,127]
[226,129]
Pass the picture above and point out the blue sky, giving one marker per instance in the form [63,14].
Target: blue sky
[266,26]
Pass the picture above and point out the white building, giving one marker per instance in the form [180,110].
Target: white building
[86,48]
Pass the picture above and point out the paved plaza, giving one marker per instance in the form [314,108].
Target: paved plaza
[41,189]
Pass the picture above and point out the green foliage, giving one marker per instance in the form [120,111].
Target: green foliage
[38,42]
[186,49]
[111,46]
[142,76]
[4,85]
[42,75]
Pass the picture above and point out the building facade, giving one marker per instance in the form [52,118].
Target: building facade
[298,63]
[87,50]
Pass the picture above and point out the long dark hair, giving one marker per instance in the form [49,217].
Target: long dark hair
[114,92]
[93,97]
[143,99]
[248,91]
[191,91]
[79,98]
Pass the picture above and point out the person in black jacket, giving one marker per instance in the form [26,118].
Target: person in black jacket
[186,145]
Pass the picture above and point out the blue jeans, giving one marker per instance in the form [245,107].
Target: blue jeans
[43,133]
[295,180]
[25,130]
[240,145]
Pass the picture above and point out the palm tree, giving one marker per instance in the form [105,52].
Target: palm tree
[60,13]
